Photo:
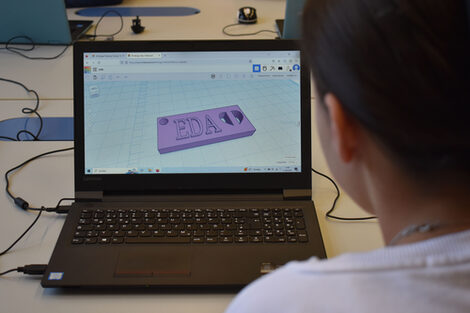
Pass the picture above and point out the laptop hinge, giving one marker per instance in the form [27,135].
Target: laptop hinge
[89,196]
[297,194]
[199,197]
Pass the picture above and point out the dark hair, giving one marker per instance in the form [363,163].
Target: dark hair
[401,68]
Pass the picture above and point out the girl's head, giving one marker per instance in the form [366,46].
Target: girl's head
[401,69]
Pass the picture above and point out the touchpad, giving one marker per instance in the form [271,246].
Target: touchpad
[153,263]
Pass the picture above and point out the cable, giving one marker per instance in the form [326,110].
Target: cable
[224,30]
[18,50]
[8,138]
[58,209]
[93,37]
[24,233]
[26,111]
[31,269]
[25,206]
[9,271]
[338,194]
[19,201]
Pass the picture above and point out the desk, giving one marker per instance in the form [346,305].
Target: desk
[46,180]
[53,78]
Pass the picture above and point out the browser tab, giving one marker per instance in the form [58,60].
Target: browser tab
[144,55]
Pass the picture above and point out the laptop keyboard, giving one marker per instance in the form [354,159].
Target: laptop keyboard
[171,226]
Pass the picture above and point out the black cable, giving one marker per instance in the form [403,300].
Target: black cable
[224,30]
[31,269]
[19,201]
[9,271]
[8,138]
[57,210]
[338,194]
[93,37]
[24,233]
[18,50]
[26,111]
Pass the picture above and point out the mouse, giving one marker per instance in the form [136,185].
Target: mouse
[247,15]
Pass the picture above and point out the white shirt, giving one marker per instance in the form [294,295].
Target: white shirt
[425,277]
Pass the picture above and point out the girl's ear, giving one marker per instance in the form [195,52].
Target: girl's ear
[344,132]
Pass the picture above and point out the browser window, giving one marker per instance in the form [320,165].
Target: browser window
[192,112]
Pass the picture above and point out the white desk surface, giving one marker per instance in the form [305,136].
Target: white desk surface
[52,78]
[45,181]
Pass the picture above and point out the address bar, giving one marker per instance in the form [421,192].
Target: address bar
[178,68]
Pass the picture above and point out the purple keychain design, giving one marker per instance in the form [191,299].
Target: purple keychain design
[194,129]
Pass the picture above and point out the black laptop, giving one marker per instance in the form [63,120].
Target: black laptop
[192,165]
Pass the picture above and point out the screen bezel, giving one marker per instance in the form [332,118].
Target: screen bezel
[187,182]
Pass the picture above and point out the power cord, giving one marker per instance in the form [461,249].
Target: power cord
[20,202]
[18,50]
[58,209]
[24,205]
[31,269]
[333,207]
[93,37]
[26,111]
[224,30]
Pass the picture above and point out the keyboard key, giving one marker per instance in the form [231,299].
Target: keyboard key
[80,234]
[279,239]
[85,215]
[224,233]
[84,227]
[92,233]
[131,233]
[158,233]
[291,239]
[185,233]
[198,240]
[241,239]
[299,224]
[158,240]
[144,233]
[256,239]
[172,233]
[118,233]
[90,240]
[105,233]
[100,227]
[268,239]
[211,239]
[226,239]
[302,236]
[104,240]
[76,241]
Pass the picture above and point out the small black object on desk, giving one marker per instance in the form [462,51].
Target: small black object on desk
[247,15]
[137,27]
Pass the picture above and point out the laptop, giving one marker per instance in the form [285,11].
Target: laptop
[290,26]
[44,22]
[192,165]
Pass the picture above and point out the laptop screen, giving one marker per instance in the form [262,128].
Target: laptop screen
[166,112]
